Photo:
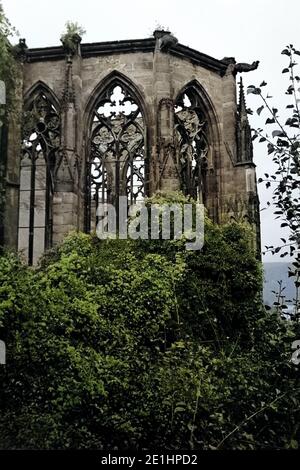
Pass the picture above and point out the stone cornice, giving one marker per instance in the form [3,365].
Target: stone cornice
[128,46]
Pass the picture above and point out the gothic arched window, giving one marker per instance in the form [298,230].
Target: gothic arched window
[192,143]
[116,164]
[40,145]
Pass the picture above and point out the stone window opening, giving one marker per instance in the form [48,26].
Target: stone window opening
[116,165]
[192,144]
[40,145]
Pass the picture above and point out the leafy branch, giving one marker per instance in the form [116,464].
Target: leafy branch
[284,146]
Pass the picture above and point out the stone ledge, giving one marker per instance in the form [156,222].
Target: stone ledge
[128,46]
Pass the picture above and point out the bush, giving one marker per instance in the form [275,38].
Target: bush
[143,345]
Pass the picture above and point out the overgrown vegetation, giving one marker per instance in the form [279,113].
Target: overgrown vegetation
[283,146]
[8,68]
[8,76]
[144,345]
[72,36]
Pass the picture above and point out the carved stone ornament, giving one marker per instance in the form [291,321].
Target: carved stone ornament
[117,149]
[243,67]
[240,67]
[41,130]
[192,144]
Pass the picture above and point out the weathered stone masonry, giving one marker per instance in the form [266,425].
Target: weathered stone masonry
[124,118]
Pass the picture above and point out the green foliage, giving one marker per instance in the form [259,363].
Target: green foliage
[8,75]
[2,199]
[283,146]
[8,68]
[72,36]
[74,28]
[144,345]
[5,31]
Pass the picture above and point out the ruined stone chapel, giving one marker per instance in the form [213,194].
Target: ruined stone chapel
[96,121]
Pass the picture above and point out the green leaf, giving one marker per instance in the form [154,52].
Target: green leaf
[259,110]
[179,409]
[278,133]
[294,444]
[252,89]
[289,90]
[292,122]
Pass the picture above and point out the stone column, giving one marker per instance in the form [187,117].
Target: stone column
[167,176]
[65,200]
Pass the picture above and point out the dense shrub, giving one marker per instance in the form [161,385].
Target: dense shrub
[144,345]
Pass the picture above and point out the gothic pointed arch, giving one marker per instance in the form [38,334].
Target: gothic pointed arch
[196,140]
[38,86]
[41,146]
[116,163]
[119,78]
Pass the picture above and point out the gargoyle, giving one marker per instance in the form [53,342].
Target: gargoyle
[242,67]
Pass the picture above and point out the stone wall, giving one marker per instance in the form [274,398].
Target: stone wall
[157,76]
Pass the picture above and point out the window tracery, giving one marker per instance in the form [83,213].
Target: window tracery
[40,145]
[117,151]
[192,142]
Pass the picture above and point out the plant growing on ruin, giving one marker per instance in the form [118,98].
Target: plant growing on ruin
[7,62]
[133,345]
[283,145]
[72,36]
[8,75]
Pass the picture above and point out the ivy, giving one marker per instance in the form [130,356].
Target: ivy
[8,76]
[143,345]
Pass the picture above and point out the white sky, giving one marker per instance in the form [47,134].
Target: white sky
[247,30]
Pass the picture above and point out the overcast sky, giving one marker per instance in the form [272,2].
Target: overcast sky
[248,30]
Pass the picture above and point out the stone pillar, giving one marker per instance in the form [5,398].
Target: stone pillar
[239,192]
[79,153]
[230,112]
[65,200]
[230,192]
[167,175]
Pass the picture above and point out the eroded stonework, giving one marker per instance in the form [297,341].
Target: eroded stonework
[125,118]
